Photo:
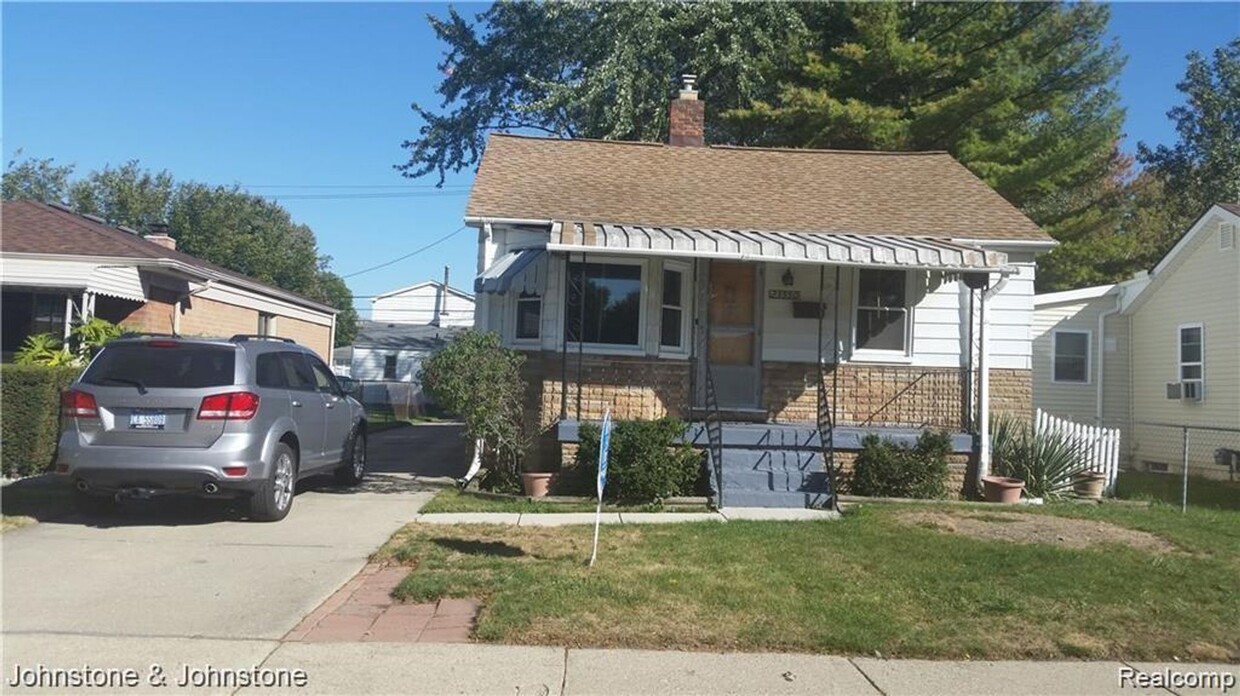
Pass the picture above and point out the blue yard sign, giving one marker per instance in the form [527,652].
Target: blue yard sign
[604,444]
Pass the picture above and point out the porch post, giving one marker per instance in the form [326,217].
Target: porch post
[983,396]
[581,327]
[564,343]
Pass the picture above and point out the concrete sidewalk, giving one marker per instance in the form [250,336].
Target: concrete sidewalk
[560,519]
[421,668]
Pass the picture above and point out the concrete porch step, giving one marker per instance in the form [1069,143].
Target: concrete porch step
[773,499]
[779,481]
[746,459]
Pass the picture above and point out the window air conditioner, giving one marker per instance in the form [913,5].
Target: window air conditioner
[1175,390]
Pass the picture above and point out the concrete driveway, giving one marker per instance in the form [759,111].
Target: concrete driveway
[171,571]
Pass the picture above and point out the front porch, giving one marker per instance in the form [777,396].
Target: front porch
[803,343]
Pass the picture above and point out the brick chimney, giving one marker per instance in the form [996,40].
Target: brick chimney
[158,234]
[687,122]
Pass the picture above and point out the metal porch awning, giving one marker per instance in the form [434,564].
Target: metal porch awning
[499,277]
[926,253]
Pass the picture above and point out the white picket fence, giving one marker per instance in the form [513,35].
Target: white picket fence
[1099,446]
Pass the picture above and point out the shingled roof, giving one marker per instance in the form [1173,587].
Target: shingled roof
[30,227]
[778,190]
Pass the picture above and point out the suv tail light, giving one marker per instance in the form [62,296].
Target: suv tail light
[230,406]
[78,404]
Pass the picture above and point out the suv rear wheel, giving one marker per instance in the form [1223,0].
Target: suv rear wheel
[353,469]
[273,501]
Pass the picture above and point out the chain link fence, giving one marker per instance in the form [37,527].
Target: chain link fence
[1183,465]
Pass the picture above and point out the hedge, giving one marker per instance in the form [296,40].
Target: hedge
[30,415]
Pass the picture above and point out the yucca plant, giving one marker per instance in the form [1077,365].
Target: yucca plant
[1046,461]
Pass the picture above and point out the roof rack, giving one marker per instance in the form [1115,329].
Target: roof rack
[237,338]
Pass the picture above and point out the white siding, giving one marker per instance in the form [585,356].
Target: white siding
[1076,402]
[421,304]
[1201,286]
[1009,320]
[368,364]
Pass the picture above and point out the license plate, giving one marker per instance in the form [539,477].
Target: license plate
[147,420]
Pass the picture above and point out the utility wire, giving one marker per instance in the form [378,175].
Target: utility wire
[354,186]
[415,252]
[377,194]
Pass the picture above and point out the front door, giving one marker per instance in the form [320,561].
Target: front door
[734,343]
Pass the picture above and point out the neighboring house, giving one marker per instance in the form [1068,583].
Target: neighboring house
[391,352]
[57,267]
[710,283]
[429,302]
[1153,354]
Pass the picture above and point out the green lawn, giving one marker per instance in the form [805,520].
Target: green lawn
[868,582]
[1202,492]
[453,500]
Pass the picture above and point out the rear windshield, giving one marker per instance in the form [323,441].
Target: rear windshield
[185,366]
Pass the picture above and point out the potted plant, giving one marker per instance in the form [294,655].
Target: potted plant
[1002,489]
[1089,484]
[537,484]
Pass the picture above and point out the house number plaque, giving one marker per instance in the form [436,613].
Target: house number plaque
[781,294]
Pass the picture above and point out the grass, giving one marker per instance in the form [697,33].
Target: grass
[1202,492]
[453,500]
[866,583]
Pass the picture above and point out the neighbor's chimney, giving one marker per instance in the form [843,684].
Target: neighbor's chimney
[158,234]
[687,122]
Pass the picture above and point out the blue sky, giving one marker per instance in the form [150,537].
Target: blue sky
[316,96]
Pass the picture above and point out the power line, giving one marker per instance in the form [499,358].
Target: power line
[354,186]
[412,253]
[339,196]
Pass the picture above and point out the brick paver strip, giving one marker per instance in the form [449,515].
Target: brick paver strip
[363,610]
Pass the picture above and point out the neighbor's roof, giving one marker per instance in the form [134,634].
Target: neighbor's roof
[393,336]
[30,227]
[400,291]
[779,190]
[1233,208]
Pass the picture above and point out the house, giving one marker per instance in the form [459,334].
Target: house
[1153,355]
[392,352]
[784,301]
[58,267]
[428,303]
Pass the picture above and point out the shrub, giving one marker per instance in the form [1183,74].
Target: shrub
[31,415]
[85,341]
[886,469]
[479,381]
[647,461]
[1046,461]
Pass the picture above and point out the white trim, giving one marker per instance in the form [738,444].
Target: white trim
[1089,348]
[875,354]
[473,221]
[222,291]
[514,304]
[756,258]
[1179,358]
[1155,276]
[1022,244]
[638,348]
[391,293]
[1078,295]
[684,270]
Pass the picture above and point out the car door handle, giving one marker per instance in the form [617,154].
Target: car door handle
[296,403]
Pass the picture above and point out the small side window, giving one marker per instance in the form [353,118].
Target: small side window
[389,367]
[269,371]
[297,373]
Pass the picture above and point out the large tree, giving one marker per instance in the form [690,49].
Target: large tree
[224,225]
[1021,93]
[595,70]
[1203,167]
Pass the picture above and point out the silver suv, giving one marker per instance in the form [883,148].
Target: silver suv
[243,417]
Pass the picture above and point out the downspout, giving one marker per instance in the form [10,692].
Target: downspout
[1102,344]
[983,382]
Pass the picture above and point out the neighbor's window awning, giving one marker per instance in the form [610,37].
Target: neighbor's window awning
[928,253]
[498,279]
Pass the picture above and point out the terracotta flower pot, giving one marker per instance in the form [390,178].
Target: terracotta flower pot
[536,484]
[1001,489]
[1088,484]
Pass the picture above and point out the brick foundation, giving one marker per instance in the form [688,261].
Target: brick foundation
[648,388]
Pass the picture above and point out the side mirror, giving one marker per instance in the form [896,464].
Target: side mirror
[348,385]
